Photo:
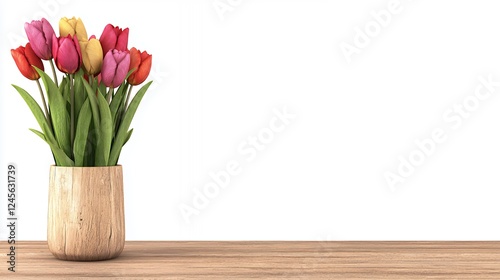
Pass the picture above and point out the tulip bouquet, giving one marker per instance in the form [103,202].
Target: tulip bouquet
[86,117]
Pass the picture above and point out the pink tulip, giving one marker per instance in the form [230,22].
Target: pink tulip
[67,53]
[40,34]
[115,67]
[114,38]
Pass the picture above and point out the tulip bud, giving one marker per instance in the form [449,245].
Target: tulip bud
[40,34]
[115,67]
[92,56]
[114,38]
[141,62]
[67,54]
[73,27]
[25,59]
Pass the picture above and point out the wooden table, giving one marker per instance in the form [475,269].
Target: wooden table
[267,260]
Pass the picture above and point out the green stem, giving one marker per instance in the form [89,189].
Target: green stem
[128,96]
[93,83]
[47,113]
[72,104]
[110,93]
[54,72]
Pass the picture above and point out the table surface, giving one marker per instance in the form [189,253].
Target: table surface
[267,260]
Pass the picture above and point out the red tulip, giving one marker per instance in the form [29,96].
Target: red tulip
[141,62]
[115,67]
[40,34]
[67,53]
[25,59]
[114,38]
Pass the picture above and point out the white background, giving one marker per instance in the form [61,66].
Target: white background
[218,80]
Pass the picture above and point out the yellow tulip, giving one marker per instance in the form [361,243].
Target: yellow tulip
[92,56]
[71,27]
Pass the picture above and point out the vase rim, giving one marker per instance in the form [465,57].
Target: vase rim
[111,166]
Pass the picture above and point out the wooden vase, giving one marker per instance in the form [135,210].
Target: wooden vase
[86,213]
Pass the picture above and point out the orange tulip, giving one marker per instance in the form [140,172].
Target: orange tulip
[25,59]
[141,62]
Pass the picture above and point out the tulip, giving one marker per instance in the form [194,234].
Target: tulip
[141,62]
[67,54]
[40,34]
[25,59]
[114,38]
[115,68]
[92,56]
[73,27]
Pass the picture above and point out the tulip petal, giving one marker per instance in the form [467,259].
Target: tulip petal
[47,32]
[135,58]
[68,56]
[141,62]
[85,56]
[40,34]
[38,42]
[121,71]
[144,69]
[80,30]
[92,56]
[55,46]
[73,26]
[78,50]
[33,59]
[66,28]
[21,62]
[108,38]
[108,69]
[25,58]
[120,56]
[122,41]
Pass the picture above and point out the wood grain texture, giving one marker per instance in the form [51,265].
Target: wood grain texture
[86,213]
[269,260]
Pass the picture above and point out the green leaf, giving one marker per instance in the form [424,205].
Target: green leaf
[90,149]
[124,87]
[121,136]
[39,134]
[59,156]
[59,113]
[116,107]
[34,107]
[117,98]
[80,94]
[103,148]
[64,88]
[99,158]
[82,132]
[102,88]
[93,104]
[129,134]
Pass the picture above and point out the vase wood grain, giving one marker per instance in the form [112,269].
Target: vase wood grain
[86,213]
